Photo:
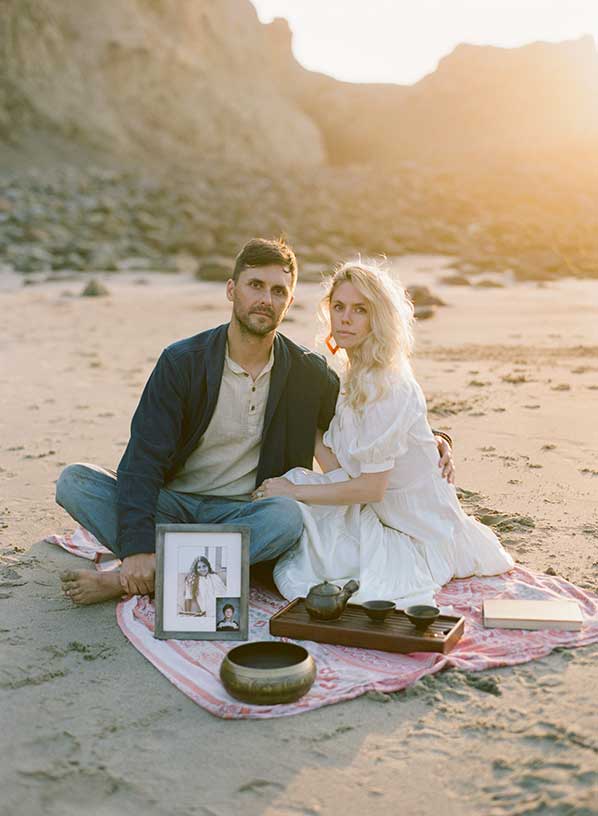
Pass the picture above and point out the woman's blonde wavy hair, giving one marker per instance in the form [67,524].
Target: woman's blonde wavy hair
[390,341]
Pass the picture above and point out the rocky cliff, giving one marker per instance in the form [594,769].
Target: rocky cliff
[491,101]
[178,80]
[480,102]
[203,80]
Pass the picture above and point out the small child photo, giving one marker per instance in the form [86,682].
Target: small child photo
[227,615]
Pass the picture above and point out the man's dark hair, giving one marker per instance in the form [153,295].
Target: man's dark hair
[264,252]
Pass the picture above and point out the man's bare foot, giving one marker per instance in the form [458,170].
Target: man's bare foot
[89,587]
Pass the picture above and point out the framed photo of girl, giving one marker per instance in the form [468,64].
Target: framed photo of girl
[202,582]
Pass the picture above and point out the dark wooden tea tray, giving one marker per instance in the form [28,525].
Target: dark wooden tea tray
[354,628]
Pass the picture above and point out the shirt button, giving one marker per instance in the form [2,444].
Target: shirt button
[253,407]
[253,389]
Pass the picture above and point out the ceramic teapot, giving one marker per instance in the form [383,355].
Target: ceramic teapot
[327,601]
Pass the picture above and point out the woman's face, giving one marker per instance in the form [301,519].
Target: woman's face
[202,568]
[349,316]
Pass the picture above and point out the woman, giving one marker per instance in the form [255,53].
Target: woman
[203,586]
[381,511]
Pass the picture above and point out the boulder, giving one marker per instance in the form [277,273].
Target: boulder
[215,268]
[421,296]
[424,312]
[95,288]
[455,280]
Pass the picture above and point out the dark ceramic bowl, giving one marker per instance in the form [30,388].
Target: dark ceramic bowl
[378,610]
[268,672]
[422,616]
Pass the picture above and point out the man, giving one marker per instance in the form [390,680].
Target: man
[222,411]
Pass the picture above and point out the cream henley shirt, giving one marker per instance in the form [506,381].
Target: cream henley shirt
[225,461]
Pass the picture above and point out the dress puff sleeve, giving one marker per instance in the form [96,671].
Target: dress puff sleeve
[384,425]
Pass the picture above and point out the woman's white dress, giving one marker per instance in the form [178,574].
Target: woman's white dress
[208,588]
[416,539]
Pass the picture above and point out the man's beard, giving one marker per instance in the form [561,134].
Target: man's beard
[257,329]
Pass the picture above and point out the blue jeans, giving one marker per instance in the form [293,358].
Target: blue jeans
[88,494]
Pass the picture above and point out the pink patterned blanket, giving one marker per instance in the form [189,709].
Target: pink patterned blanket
[343,672]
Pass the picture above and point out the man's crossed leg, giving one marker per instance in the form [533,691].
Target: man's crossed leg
[88,494]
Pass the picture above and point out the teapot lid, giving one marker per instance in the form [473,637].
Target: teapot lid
[325,589]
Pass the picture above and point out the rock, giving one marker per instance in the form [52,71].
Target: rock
[378,697]
[167,266]
[60,276]
[455,280]
[215,268]
[103,257]
[487,684]
[198,244]
[95,288]
[422,296]
[488,283]
[424,312]
[186,264]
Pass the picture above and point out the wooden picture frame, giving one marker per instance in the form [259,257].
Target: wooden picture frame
[200,570]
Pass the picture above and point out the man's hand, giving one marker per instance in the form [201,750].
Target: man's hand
[137,574]
[445,462]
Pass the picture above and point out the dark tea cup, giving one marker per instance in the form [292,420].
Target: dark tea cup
[422,616]
[377,611]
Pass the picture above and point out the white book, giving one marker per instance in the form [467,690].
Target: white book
[504,613]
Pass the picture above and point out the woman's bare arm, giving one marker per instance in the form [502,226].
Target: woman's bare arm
[324,456]
[365,489]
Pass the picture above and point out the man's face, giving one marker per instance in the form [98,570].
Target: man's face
[228,613]
[260,297]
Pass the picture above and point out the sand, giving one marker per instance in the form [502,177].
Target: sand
[89,726]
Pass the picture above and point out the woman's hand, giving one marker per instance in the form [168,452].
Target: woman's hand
[446,463]
[274,487]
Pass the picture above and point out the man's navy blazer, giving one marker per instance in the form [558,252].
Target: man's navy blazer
[176,408]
